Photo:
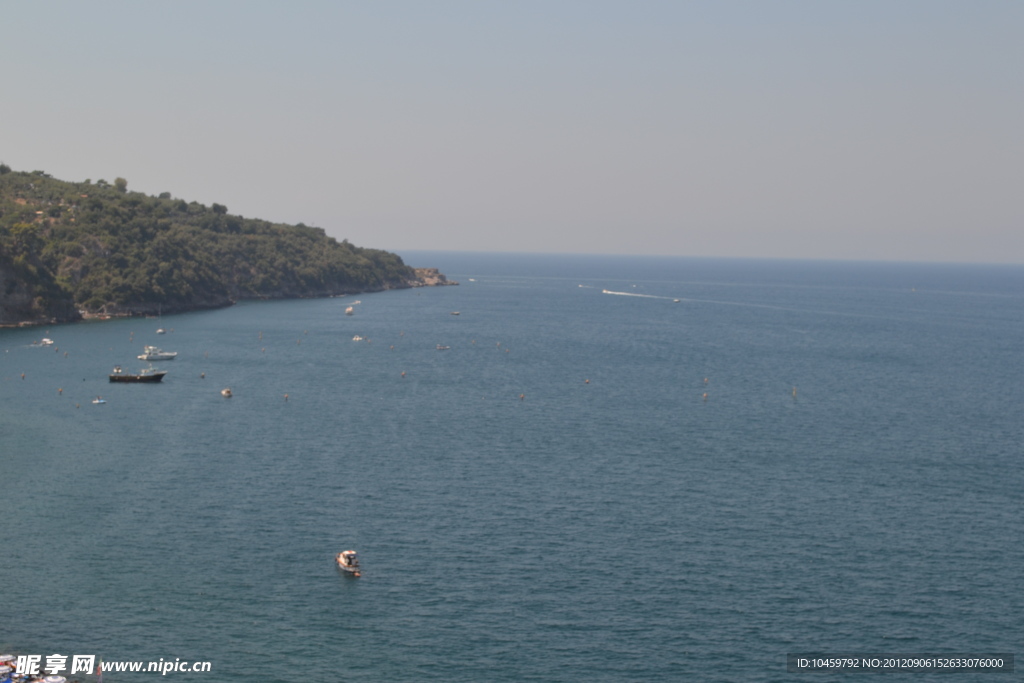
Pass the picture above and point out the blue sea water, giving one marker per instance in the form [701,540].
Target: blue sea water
[596,482]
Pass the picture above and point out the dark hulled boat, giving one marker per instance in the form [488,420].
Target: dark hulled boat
[148,375]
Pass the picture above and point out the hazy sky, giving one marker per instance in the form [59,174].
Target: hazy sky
[855,130]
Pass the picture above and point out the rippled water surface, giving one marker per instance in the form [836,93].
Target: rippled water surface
[595,482]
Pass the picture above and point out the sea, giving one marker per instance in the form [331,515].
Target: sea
[619,469]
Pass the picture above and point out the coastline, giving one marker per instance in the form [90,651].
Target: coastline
[423,277]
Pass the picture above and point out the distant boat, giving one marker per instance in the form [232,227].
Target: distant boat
[443,348]
[357,338]
[226,393]
[455,312]
[349,311]
[153,353]
[161,331]
[147,375]
[98,400]
[46,341]
[348,561]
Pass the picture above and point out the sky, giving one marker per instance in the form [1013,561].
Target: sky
[863,130]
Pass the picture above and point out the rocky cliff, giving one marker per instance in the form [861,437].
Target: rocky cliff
[29,297]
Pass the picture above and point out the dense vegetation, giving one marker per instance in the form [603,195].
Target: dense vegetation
[107,250]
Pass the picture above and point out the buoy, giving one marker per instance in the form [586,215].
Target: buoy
[403,373]
[586,381]
[60,391]
[522,396]
[705,396]
[202,375]
[286,397]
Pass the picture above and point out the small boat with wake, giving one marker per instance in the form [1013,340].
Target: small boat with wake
[148,375]
[443,348]
[348,562]
[99,399]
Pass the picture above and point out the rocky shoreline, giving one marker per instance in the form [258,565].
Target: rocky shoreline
[9,315]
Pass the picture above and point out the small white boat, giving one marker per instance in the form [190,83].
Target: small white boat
[357,338]
[442,348]
[348,562]
[99,400]
[153,353]
[349,311]
[46,341]
[226,393]
[161,331]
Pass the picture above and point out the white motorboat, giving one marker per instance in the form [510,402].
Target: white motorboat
[46,341]
[357,338]
[99,400]
[161,331]
[349,311]
[153,353]
[348,562]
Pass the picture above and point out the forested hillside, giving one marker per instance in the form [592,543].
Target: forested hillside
[102,249]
